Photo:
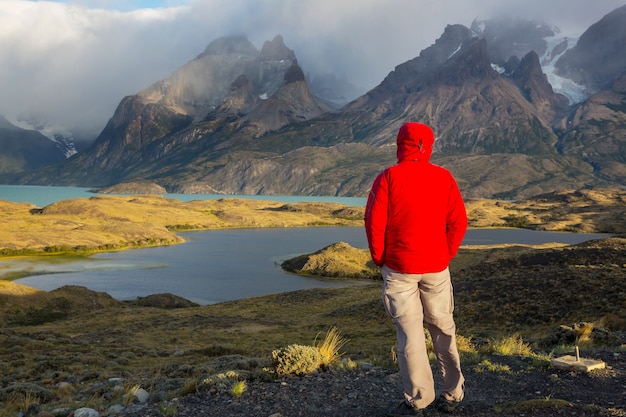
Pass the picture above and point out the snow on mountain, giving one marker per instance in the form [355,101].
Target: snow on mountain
[557,45]
[62,138]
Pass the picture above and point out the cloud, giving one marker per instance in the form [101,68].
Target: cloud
[73,62]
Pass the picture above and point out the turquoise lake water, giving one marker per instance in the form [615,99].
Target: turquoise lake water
[43,195]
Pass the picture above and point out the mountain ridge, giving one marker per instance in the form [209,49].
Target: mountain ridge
[495,115]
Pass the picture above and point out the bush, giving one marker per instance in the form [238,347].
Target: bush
[296,360]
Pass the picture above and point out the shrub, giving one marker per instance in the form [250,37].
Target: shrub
[296,360]
[221,381]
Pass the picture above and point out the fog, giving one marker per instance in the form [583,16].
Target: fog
[70,63]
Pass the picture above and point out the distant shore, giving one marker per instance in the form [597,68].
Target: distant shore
[107,223]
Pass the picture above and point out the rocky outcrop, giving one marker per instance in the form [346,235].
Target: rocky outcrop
[336,260]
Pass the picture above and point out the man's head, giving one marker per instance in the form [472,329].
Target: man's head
[415,141]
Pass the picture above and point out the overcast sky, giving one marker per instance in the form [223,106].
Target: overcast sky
[73,61]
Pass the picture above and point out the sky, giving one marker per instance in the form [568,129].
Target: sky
[71,62]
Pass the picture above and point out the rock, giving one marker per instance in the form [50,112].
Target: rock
[140,396]
[115,409]
[61,412]
[86,412]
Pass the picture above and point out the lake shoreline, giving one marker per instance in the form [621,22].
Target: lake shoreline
[108,223]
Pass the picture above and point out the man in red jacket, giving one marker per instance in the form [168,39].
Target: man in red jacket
[415,221]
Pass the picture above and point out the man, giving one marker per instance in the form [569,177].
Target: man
[415,221]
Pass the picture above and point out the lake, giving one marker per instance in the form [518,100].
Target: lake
[223,265]
[218,265]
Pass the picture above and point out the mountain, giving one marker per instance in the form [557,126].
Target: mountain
[240,121]
[25,150]
[599,57]
[230,90]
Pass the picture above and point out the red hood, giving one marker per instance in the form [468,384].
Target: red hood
[415,142]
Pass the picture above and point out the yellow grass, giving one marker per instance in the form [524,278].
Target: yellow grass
[118,222]
[510,345]
[114,222]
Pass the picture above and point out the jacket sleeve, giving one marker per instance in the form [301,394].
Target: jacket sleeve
[376,218]
[456,222]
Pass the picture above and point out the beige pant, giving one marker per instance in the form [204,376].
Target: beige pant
[410,300]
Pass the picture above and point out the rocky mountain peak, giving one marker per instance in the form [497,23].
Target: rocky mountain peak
[452,40]
[535,86]
[276,50]
[294,73]
[201,84]
[412,75]
[529,67]
[230,45]
[470,62]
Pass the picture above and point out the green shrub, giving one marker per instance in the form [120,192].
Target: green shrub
[296,360]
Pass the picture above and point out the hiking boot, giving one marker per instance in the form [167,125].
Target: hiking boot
[404,409]
[446,406]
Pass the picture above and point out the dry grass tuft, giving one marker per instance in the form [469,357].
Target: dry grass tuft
[238,389]
[510,346]
[331,345]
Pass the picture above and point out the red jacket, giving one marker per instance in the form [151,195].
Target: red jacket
[415,217]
